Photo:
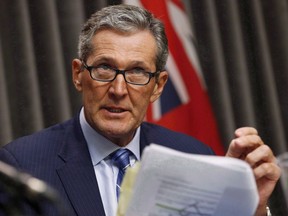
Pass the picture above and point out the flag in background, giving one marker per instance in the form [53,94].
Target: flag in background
[184,105]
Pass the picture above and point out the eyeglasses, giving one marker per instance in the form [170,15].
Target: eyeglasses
[135,76]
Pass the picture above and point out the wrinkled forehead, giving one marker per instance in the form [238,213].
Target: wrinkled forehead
[138,46]
[142,39]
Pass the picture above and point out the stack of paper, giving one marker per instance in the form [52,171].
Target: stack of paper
[170,183]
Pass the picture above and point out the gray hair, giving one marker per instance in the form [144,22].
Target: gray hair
[124,18]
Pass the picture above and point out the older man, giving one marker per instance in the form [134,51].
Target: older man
[120,71]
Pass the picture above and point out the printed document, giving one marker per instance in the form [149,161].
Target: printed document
[172,183]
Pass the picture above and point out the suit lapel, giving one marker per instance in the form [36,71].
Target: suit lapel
[77,173]
[144,140]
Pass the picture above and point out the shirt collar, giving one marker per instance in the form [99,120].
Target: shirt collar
[100,147]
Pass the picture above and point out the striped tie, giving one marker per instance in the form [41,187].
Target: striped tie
[120,158]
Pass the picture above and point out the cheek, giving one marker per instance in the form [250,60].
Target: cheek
[141,100]
[92,94]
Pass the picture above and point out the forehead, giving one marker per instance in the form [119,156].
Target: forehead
[139,45]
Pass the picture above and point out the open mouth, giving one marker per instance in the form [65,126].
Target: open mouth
[115,110]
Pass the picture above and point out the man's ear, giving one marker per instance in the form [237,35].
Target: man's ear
[76,74]
[159,87]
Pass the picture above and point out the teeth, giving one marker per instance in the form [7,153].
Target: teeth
[115,110]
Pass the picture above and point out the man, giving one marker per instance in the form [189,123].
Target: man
[120,71]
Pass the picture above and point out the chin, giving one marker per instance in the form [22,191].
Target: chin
[117,134]
[119,137]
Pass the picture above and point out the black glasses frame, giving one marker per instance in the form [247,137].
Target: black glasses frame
[123,72]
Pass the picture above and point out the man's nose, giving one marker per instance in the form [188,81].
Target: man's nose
[118,86]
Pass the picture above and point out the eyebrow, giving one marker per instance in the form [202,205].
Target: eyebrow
[113,61]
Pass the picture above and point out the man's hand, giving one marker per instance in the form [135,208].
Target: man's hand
[248,146]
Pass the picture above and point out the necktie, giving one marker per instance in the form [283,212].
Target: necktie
[120,158]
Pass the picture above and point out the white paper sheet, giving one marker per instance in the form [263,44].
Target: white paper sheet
[174,183]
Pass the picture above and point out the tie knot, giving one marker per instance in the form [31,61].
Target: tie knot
[121,159]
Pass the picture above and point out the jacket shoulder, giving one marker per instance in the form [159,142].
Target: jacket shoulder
[37,146]
[152,133]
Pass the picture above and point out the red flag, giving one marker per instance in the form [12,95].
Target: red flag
[184,105]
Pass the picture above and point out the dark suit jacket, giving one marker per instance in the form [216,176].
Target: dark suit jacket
[59,155]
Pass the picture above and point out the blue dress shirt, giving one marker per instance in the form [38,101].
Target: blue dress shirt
[100,148]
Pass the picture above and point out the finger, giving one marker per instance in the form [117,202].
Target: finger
[270,171]
[261,154]
[243,145]
[245,131]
